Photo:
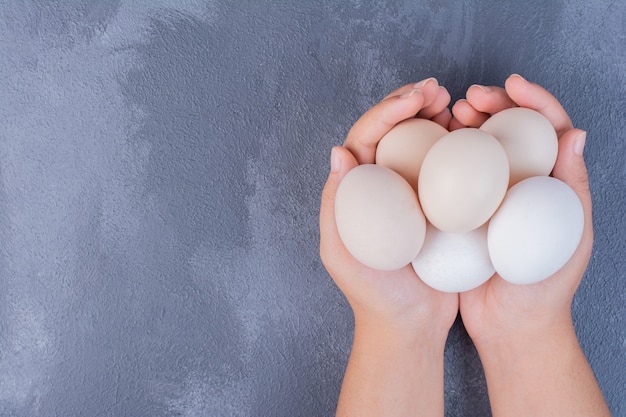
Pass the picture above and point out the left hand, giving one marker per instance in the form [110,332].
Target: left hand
[396,300]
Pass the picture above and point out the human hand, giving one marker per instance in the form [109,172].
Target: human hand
[396,300]
[401,324]
[498,310]
[524,334]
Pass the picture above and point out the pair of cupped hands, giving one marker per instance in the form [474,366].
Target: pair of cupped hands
[399,302]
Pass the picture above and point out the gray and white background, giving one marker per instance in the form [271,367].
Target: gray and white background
[161,164]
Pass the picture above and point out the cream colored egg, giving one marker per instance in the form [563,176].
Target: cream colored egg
[454,262]
[379,218]
[536,230]
[528,139]
[463,180]
[404,147]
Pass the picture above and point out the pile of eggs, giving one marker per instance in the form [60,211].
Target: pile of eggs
[459,206]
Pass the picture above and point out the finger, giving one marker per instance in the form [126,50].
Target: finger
[570,168]
[443,118]
[489,99]
[467,115]
[533,96]
[455,124]
[380,119]
[440,102]
[409,87]
[342,161]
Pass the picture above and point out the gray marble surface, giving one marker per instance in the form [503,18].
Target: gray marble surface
[161,164]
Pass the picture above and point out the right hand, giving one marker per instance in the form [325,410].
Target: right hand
[498,310]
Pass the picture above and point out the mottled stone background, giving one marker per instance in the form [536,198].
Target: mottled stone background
[160,170]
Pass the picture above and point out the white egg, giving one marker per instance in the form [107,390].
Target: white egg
[528,139]
[463,180]
[379,218]
[404,147]
[536,230]
[454,262]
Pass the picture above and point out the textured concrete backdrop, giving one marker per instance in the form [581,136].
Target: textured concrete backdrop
[161,164]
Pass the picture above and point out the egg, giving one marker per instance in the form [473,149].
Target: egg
[454,262]
[463,179]
[404,147]
[528,139]
[535,231]
[379,218]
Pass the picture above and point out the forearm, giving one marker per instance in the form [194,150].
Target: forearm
[391,374]
[545,374]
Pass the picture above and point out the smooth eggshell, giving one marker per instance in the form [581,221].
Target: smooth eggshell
[454,262]
[528,139]
[463,180]
[404,147]
[536,230]
[379,218]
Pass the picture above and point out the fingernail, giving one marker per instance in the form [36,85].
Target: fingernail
[579,143]
[411,92]
[518,76]
[424,82]
[335,161]
[484,88]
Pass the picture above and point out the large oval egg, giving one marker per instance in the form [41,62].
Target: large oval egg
[536,230]
[379,218]
[404,147]
[528,139]
[454,262]
[463,179]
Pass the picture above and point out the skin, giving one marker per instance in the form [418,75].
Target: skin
[524,334]
[401,324]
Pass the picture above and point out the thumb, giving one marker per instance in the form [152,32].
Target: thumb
[570,168]
[341,161]
[570,164]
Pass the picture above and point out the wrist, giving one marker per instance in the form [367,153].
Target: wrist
[516,347]
[543,372]
[523,333]
[393,370]
[394,335]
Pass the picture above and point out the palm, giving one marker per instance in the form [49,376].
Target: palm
[400,294]
[497,304]
[397,296]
